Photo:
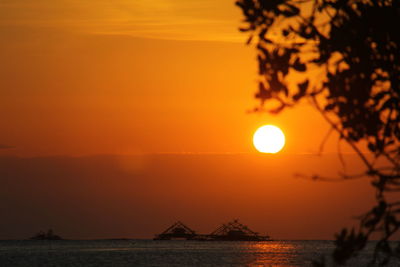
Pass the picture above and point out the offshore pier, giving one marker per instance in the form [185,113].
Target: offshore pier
[231,231]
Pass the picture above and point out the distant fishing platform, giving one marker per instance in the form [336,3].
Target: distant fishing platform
[231,231]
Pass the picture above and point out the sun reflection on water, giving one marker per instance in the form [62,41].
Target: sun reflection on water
[276,253]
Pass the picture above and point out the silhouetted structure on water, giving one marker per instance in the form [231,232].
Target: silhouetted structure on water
[176,231]
[232,231]
[235,231]
[46,236]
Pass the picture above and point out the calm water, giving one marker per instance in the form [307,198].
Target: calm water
[166,253]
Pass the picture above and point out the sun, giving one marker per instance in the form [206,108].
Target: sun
[269,139]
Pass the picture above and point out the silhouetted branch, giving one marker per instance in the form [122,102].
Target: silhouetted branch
[321,146]
[342,135]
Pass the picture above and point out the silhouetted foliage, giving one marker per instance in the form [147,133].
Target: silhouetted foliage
[344,57]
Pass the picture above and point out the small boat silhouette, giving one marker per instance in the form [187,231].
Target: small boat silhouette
[46,236]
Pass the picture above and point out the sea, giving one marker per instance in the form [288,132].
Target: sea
[121,253]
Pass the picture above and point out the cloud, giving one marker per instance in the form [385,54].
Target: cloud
[135,196]
[2,146]
[161,19]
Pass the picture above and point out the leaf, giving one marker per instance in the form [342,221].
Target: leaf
[268,41]
[302,90]
[262,93]
[290,11]
[277,109]
[371,147]
[249,40]
[285,32]
[297,65]
[262,33]
[330,106]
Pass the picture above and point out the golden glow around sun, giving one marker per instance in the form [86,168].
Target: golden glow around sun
[269,139]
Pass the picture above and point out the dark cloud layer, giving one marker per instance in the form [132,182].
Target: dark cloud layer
[2,146]
[138,196]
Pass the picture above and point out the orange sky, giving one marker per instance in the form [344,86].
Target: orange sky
[77,80]
[82,78]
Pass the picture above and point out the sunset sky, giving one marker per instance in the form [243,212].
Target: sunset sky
[131,114]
